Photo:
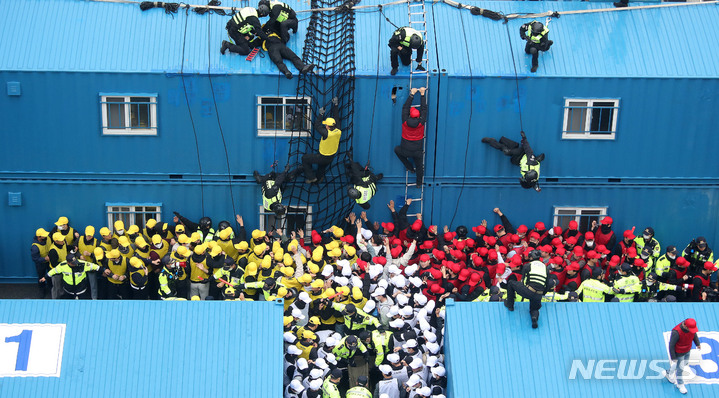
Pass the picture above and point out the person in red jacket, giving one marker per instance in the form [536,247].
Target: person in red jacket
[603,234]
[412,145]
[680,343]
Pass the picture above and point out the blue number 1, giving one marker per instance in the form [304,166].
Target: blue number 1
[23,350]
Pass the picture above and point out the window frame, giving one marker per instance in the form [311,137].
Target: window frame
[578,215]
[132,214]
[128,130]
[264,217]
[282,132]
[588,134]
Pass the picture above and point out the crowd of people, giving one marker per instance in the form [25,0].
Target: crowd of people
[364,304]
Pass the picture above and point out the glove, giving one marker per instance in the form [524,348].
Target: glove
[321,111]
[522,134]
[420,67]
[335,101]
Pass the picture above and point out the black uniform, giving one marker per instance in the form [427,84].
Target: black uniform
[278,52]
[399,39]
[245,31]
[412,146]
[516,152]
[282,19]
[532,287]
[322,161]
[536,42]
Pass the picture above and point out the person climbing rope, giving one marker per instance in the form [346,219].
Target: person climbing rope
[412,145]
[282,17]
[245,32]
[401,44]
[272,184]
[278,51]
[329,144]
[522,156]
[535,33]
[364,183]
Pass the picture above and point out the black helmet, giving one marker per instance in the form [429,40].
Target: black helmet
[350,309]
[537,27]
[534,255]
[263,9]
[277,208]
[415,41]
[351,340]
[353,193]
[364,335]
[269,284]
[362,380]
[205,223]
[462,232]
[223,225]
[531,176]
[71,259]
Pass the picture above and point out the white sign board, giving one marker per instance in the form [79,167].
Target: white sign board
[703,363]
[31,350]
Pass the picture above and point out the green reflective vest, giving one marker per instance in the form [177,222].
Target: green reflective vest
[593,291]
[524,167]
[537,274]
[536,38]
[381,344]
[366,193]
[408,32]
[284,14]
[240,18]
[631,285]
[653,245]
[366,319]
[329,389]
[341,350]
[267,202]
[74,280]
[358,392]
[662,266]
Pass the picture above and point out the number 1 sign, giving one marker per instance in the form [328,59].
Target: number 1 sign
[31,350]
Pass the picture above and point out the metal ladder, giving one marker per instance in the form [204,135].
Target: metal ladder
[418,21]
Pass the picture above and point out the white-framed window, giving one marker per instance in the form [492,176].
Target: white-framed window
[283,116]
[594,119]
[295,217]
[132,213]
[582,215]
[129,114]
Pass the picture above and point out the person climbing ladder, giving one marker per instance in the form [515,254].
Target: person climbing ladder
[412,145]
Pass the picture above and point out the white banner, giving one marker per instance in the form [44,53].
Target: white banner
[31,350]
[703,363]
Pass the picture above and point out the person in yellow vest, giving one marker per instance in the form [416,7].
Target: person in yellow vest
[169,277]
[627,286]
[86,246]
[593,290]
[38,253]
[535,33]
[62,225]
[149,230]
[123,245]
[199,272]
[360,390]
[118,229]
[116,274]
[364,183]
[329,386]
[245,32]
[73,274]
[307,343]
[401,44]
[250,276]
[57,252]
[522,155]
[533,286]
[278,51]
[107,242]
[182,256]
[329,144]
[272,184]
[138,279]
[133,232]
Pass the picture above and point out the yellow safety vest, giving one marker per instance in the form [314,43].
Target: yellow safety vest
[408,32]
[525,168]
[240,19]
[329,145]
[267,202]
[366,193]
[117,269]
[536,39]
[283,15]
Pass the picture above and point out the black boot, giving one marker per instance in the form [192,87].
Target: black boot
[225,46]
[534,323]
[534,68]
[393,71]
[307,69]
[288,74]
[510,306]
[621,4]
[540,158]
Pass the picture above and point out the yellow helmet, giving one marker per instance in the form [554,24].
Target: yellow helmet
[105,231]
[123,241]
[314,268]
[242,246]
[182,239]
[266,262]
[225,233]
[336,252]
[287,260]
[259,249]
[183,252]
[156,239]
[329,122]
[356,293]
[281,292]
[292,245]
[140,242]
[306,278]
[211,244]
[41,233]
[62,221]
[251,269]
[317,284]
[317,254]
[200,249]
[328,293]
[195,298]
[136,262]
[133,229]
[58,237]
[113,254]
[338,232]
[99,253]
[216,251]
[314,320]
[151,223]
[257,234]
[89,230]
[287,271]
[230,291]
[350,250]
[308,334]
[344,290]
[278,255]
[195,237]
[119,225]
[179,229]
[286,320]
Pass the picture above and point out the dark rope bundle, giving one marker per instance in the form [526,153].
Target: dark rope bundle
[213,3]
[170,8]
[493,15]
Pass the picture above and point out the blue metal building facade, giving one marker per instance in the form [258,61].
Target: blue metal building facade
[660,170]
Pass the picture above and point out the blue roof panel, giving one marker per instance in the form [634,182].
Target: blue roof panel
[156,349]
[497,351]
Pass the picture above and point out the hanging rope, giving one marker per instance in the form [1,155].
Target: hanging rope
[189,112]
[516,78]
[217,114]
[376,82]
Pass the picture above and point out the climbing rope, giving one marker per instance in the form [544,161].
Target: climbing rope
[516,78]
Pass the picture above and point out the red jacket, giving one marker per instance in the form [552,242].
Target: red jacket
[412,133]
[684,344]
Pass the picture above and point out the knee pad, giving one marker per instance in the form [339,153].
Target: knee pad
[533,50]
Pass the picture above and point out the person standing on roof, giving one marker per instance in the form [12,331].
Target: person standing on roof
[401,44]
[535,33]
[680,344]
[282,17]
[329,144]
[522,155]
[412,145]
[245,32]
[533,286]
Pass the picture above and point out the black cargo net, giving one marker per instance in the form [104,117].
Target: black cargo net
[329,45]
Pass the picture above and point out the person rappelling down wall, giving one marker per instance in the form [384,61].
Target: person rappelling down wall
[536,35]
[522,156]
[272,184]
[364,183]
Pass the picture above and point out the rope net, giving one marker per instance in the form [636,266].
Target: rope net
[329,44]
